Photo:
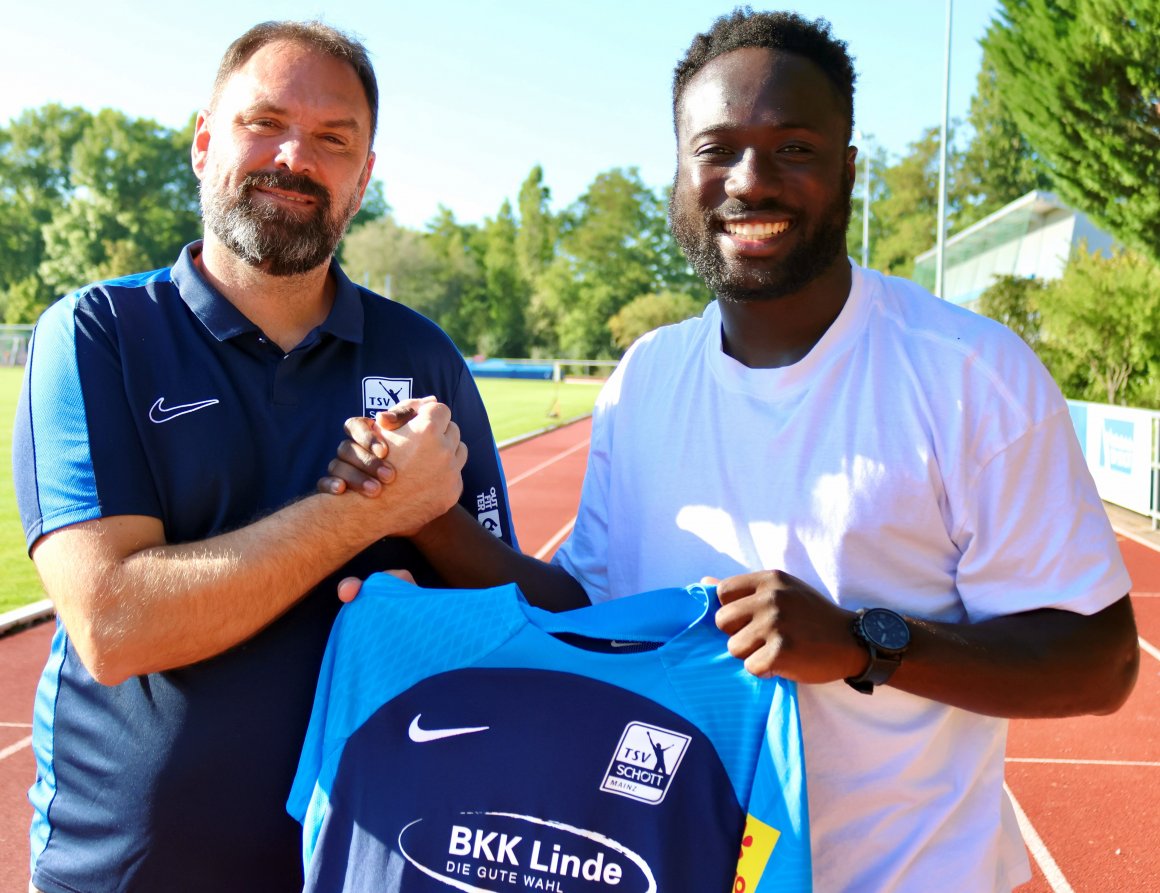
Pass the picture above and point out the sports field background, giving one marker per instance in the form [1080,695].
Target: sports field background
[516,407]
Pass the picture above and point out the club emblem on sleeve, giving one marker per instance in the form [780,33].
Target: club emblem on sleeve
[381,394]
[645,761]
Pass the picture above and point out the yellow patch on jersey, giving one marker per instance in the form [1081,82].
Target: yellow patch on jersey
[757,843]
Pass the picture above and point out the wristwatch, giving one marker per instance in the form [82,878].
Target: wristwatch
[886,636]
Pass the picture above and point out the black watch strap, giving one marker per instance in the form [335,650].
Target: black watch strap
[885,636]
[877,672]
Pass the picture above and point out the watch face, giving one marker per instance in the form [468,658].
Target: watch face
[885,629]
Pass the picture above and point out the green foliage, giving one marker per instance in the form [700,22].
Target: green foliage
[506,288]
[86,197]
[998,166]
[1081,80]
[907,216]
[651,311]
[1015,302]
[1101,328]
[374,205]
[614,246]
[19,584]
[879,162]
[536,238]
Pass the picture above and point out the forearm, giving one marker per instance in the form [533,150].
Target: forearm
[1046,663]
[133,604]
[465,555]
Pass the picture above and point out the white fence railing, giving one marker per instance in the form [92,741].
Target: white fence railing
[1122,448]
[14,344]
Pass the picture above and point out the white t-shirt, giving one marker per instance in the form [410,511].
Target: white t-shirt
[918,458]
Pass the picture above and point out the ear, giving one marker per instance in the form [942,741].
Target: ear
[366,177]
[199,151]
[851,166]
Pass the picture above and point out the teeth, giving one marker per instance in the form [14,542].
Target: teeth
[756,230]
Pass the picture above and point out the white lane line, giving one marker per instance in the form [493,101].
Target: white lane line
[15,748]
[1145,594]
[583,445]
[15,725]
[1150,648]
[557,538]
[1038,848]
[1148,764]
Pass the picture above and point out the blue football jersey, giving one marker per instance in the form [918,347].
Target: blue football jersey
[463,739]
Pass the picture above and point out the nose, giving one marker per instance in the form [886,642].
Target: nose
[753,177]
[295,154]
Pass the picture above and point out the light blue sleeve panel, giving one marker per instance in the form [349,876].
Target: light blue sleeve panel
[430,631]
[51,452]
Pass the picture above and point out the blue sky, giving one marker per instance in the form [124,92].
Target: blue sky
[475,92]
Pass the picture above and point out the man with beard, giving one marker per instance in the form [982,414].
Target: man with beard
[189,573]
[887,486]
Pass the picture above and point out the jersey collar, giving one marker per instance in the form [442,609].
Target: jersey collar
[225,321]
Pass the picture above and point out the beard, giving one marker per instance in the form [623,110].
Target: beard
[695,230]
[264,235]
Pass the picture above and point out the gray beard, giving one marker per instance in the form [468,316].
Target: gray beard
[263,235]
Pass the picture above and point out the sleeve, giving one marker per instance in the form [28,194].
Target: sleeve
[1035,533]
[484,488]
[76,454]
[584,555]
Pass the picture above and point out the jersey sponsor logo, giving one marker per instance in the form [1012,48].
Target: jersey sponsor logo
[420,735]
[381,394]
[644,762]
[159,413]
[487,512]
[757,843]
[489,852]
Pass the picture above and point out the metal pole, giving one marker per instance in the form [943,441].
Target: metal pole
[942,165]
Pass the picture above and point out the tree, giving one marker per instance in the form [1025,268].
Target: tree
[374,205]
[536,238]
[651,311]
[908,214]
[998,166]
[1014,301]
[1101,327]
[506,289]
[879,162]
[1081,81]
[88,197]
[396,261]
[611,251]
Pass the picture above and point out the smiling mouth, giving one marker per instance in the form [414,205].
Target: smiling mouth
[756,230]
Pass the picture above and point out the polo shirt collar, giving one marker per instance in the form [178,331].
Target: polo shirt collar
[225,321]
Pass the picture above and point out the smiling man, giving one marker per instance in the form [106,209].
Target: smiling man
[887,486]
[188,567]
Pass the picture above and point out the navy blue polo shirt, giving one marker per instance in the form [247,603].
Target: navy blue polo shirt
[153,395]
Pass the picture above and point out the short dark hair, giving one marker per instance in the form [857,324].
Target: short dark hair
[314,34]
[785,31]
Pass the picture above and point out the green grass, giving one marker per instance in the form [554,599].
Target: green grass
[19,584]
[515,407]
[520,406]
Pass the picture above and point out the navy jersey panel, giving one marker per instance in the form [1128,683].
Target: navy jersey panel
[528,799]
[463,739]
[153,395]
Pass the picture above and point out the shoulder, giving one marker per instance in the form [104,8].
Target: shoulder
[657,352]
[949,348]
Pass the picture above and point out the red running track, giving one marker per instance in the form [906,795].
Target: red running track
[1087,786]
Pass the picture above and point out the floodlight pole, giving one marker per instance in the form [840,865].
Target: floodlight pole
[940,251]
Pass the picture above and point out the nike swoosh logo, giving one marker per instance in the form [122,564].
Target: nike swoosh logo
[159,414]
[421,735]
